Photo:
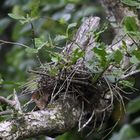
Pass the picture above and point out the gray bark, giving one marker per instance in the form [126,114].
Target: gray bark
[116,10]
[58,118]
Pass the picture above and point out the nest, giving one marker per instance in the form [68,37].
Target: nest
[76,82]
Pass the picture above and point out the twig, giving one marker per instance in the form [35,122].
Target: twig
[120,99]
[55,86]
[88,121]
[62,86]
[123,77]
[112,128]
[33,34]
[81,94]
[10,103]
[80,119]
[133,40]
[13,43]
[68,83]
[17,106]
[79,82]
[111,47]
[94,125]
[14,104]
[111,93]
[7,112]
[37,72]
[116,123]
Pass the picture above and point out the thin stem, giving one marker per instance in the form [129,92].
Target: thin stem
[13,43]
[33,34]
[7,102]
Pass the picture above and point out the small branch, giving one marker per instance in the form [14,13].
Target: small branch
[14,104]
[7,112]
[7,102]
[38,72]
[33,34]
[117,42]
[17,106]
[78,82]
[13,43]
[123,77]
[87,122]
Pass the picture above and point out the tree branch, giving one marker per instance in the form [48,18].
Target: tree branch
[123,77]
[7,112]
[57,119]
[14,104]
[7,102]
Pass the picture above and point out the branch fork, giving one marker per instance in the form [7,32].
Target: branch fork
[13,104]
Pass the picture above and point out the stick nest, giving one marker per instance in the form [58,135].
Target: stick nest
[76,82]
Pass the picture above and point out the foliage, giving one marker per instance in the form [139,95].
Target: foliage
[41,21]
[130,131]
[135,3]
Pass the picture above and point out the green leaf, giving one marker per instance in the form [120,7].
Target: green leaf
[130,24]
[126,83]
[53,71]
[72,25]
[124,46]
[133,106]
[134,33]
[134,60]
[22,19]
[31,50]
[56,57]
[11,83]
[137,54]
[17,17]
[60,38]
[118,56]
[131,2]
[39,43]
[35,8]
[50,42]
[77,54]
[126,133]
[101,53]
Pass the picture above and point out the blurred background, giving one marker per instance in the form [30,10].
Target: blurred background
[47,20]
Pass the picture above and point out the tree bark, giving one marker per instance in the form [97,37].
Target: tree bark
[58,118]
[116,10]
